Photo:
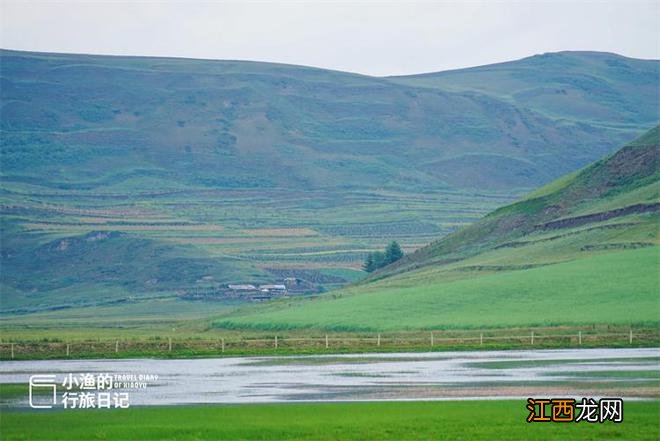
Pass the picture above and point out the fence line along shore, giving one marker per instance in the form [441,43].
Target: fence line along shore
[283,344]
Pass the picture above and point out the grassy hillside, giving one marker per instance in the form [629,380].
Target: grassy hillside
[606,195]
[92,122]
[585,86]
[245,171]
[582,250]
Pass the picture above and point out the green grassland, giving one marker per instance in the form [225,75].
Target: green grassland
[485,420]
[582,291]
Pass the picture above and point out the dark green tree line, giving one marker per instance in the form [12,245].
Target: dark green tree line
[380,259]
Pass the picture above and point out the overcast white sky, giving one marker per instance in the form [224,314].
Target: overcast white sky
[376,38]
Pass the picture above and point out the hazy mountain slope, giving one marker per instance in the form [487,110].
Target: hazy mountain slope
[583,86]
[76,121]
[583,249]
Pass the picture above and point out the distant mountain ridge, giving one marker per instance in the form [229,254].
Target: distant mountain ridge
[586,86]
[92,121]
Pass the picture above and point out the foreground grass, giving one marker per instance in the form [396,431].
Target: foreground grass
[487,420]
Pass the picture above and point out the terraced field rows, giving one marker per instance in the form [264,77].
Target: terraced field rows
[266,228]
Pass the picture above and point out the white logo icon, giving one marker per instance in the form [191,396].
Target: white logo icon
[43,381]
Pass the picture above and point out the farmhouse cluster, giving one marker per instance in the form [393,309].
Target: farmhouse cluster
[252,292]
[257,293]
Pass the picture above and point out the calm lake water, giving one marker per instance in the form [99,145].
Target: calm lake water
[400,376]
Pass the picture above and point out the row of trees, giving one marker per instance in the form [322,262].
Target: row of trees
[379,259]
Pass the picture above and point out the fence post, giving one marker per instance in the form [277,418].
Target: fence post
[222,342]
[67,350]
[12,351]
[580,337]
[431,338]
[116,346]
[276,342]
[378,339]
[630,339]
[169,344]
[532,337]
[481,338]
[326,341]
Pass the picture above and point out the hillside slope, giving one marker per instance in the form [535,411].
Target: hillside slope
[104,267]
[625,183]
[581,250]
[88,122]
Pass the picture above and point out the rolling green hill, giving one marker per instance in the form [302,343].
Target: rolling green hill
[99,122]
[244,171]
[581,250]
[584,86]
